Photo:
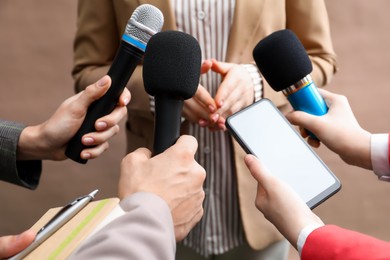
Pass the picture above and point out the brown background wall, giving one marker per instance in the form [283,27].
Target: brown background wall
[35,63]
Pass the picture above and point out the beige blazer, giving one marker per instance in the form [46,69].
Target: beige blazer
[102,22]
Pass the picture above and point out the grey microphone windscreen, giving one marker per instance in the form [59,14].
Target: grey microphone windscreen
[145,21]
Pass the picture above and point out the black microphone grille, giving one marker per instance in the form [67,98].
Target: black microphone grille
[145,21]
[282,59]
[172,64]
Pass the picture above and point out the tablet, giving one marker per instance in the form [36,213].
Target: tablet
[262,130]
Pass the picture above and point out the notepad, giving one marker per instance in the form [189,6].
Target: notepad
[87,222]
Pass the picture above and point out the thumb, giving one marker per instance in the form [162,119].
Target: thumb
[95,91]
[11,245]
[186,144]
[142,153]
[302,119]
[138,156]
[255,167]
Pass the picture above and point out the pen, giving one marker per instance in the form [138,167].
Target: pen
[63,216]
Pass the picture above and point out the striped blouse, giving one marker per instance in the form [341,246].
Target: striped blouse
[220,229]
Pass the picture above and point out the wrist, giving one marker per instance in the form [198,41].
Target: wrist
[304,234]
[305,220]
[359,151]
[28,144]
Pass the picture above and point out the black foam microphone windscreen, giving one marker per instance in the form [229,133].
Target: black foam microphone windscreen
[171,74]
[282,59]
[285,64]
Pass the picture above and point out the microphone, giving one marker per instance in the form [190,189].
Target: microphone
[171,74]
[145,21]
[284,63]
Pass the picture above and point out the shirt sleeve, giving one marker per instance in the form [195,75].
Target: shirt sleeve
[256,80]
[380,156]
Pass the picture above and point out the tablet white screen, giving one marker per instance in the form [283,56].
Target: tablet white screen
[268,135]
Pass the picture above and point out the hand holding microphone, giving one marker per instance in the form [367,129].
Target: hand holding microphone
[284,63]
[145,21]
[171,74]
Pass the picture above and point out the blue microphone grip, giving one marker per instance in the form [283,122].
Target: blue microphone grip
[309,100]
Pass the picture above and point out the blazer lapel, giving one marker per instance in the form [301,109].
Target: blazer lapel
[245,21]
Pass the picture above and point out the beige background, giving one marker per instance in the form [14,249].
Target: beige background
[35,64]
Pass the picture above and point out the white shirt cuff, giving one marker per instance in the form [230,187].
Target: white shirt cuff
[305,232]
[256,80]
[380,156]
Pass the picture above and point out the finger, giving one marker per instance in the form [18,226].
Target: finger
[195,218]
[193,111]
[214,128]
[139,155]
[11,245]
[228,96]
[233,102]
[204,123]
[313,142]
[203,97]
[181,231]
[111,119]
[222,125]
[303,132]
[220,67]
[332,98]
[233,88]
[97,138]
[206,66]
[125,97]
[326,94]
[96,151]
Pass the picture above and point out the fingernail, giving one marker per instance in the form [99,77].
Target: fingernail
[126,101]
[222,127]
[215,117]
[101,125]
[203,122]
[102,82]
[211,108]
[88,140]
[220,103]
[85,155]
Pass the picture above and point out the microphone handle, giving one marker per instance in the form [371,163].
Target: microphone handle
[167,121]
[309,100]
[123,66]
